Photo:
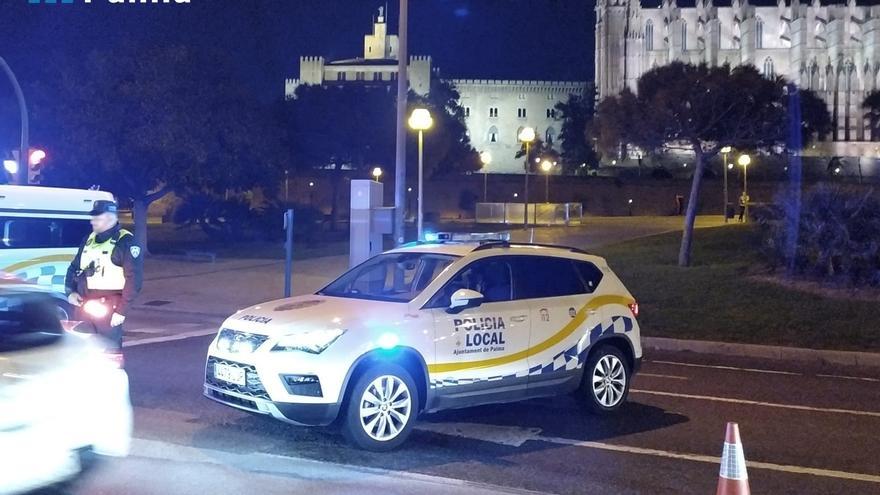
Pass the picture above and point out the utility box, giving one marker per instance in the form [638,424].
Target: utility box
[369,221]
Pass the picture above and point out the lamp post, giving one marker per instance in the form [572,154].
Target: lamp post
[21,177]
[526,136]
[724,152]
[546,167]
[377,173]
[744,160]
[420,120]
[486,159]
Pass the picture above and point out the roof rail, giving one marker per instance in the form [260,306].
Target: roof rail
[505,244]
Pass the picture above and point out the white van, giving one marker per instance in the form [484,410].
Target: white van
[41,229]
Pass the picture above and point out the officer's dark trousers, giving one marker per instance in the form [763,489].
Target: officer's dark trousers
[101,326]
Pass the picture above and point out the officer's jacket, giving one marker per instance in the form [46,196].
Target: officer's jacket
[108,263]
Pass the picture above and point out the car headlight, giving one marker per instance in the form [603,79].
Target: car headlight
[313,342]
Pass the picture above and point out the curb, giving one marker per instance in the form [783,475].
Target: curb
[777,353]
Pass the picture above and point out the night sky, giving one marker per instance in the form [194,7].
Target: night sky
[522,39]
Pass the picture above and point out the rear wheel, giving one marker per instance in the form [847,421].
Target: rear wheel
[605,384]
[381,408]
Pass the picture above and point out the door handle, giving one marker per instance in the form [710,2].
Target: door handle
[518,318]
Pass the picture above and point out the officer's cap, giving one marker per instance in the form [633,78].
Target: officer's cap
[104,206]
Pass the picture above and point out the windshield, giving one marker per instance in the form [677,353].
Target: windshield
[27,320]
[394,277]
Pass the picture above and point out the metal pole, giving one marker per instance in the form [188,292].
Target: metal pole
[547,188]
[725,187]
[526,192]
[288,253]
[485,187]
[23,155]
[286,186]
[400,154]
[421,184]
[746,191]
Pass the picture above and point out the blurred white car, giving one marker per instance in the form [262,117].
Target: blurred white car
[63,398]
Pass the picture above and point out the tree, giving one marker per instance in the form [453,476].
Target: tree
[871,104]
[144,126]
[702,109]
[539,150]
[351,128]
[576,115]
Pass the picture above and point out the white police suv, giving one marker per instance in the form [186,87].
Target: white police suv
[432,326]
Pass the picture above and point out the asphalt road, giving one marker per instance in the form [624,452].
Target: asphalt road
[805,431]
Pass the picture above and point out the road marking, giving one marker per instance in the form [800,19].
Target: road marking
[728,368]
[785,468]
[673,377]
[170,338]
[517,436]
[844,377]
[873,414]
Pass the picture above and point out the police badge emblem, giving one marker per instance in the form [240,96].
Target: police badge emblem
[135,251]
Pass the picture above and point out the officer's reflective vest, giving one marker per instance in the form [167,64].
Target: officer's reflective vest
[106,275]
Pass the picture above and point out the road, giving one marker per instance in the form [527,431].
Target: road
[805,431]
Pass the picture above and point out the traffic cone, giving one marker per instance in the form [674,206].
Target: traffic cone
[733,480]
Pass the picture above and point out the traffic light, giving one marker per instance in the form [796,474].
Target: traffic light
[35,164]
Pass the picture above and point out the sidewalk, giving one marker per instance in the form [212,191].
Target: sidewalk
[225,286]
[222,287]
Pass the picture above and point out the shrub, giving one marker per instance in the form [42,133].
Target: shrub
[838,239]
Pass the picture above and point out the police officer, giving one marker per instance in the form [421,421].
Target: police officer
[107,270]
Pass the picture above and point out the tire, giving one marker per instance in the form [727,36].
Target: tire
[606,380]
[390,425]
[64,310]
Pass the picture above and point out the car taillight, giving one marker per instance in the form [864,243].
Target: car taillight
[634,307]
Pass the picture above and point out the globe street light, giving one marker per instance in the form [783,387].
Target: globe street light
[546,167]
[744,160]
[486,159]
[724,152]
[377,173]
[526,136]
[420,120]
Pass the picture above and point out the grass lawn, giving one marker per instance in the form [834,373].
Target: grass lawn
[719,299]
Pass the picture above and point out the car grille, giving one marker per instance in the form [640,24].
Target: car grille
[253,386]
[236,337]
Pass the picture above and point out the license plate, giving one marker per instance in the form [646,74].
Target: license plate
[229,374]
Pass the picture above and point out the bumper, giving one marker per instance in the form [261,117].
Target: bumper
[637,365]
[301,414]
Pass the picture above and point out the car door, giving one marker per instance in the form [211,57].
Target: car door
[562,318]
[481,352]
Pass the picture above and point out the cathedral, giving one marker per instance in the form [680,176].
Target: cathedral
[495,110]
[833,50]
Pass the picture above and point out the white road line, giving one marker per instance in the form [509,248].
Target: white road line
[827,473]
[874,414]
[843,377]
[673,377]
[170,338]
[728,368]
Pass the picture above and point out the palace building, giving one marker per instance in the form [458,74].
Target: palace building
[495,110]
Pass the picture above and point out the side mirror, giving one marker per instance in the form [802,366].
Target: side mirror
[463,299]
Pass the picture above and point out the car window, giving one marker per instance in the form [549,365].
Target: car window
[27,321]
[491,277]
[395,277]
[545,276]
[20,232]
[590,274]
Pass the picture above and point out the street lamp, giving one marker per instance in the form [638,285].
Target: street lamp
[377,173]
[420,120]
[546,167]
[724,152]
[526,136]
[11,166]
[744,160]
[486,159]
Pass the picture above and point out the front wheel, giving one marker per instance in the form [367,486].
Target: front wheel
[381,408]
[606,380]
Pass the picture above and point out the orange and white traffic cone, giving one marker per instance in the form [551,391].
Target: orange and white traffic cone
[733,480]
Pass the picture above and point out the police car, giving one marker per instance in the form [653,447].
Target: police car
[457,322]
